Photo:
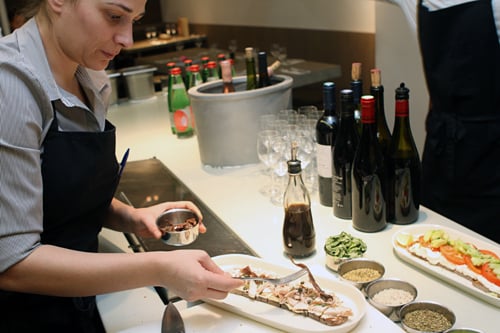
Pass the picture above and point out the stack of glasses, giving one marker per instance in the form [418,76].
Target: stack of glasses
[276,134]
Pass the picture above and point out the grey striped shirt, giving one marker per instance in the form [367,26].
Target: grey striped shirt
[27,90]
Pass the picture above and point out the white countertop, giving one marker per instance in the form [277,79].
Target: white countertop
[233,194]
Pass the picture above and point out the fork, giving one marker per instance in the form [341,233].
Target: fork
[282,280]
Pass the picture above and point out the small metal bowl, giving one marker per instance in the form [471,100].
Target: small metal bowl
[425,305]
[391,307]
[359,263]
[175,226]
[463,330]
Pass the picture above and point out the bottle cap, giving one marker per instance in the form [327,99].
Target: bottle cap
[346,95]
[175,71]
[376,77]
[328,95]
[188,62]
[212,64]
[294,165]
[249,52]
[402,92]
[367,109]
[194,68]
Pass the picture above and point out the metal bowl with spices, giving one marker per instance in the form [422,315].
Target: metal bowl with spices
[389,295]
[360,272]
[425,317]
[179,226]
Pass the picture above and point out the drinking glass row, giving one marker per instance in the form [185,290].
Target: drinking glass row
[276,133]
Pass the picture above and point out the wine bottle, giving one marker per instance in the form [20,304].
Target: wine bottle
[404,164]
[377,91]
[357,91]
[345,146]
[195,76]
[368,175]
[264,79]
[227,77]
[170,66]
[187,74]
[204,69]
[326,131]
[220,57]
[181,106]
[250,69]
[299,237]
[383,133]
[212,73]
[273,67]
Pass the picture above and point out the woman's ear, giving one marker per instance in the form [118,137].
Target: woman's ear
[56,5]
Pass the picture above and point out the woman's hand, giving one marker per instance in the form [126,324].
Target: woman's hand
[142,221]
[193,275]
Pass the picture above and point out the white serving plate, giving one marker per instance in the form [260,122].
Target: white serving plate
[280,318]
[440,272]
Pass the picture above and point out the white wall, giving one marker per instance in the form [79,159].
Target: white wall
[397,55]
[340,15]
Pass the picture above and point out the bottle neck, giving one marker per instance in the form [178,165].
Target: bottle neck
[329,103]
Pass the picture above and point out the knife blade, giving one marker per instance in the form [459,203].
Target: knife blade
[172,321]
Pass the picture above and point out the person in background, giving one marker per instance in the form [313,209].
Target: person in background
[460,48]
[58,174]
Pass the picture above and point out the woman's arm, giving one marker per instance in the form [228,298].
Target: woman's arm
[56,271]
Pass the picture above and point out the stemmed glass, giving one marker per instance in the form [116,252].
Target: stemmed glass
[280,146]
[275,51]
[268,157]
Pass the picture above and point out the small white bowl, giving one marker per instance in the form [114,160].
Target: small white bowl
[177,228]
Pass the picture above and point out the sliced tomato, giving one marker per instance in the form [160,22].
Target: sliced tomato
[452,255]
[489,253]
[468,262]
[489,275]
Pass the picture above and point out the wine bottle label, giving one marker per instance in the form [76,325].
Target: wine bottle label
[324,160]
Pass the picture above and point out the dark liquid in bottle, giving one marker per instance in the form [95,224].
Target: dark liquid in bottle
[298,231]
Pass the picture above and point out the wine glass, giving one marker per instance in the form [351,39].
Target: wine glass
[268,157]
[282,55]
[280,147]
[275,51]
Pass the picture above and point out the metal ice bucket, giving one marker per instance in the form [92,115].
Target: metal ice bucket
[227,124]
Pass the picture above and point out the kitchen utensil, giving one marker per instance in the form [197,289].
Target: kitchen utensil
[281,280]
[172,321]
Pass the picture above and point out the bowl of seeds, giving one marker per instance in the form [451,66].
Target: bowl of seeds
[360,272]
[425,317]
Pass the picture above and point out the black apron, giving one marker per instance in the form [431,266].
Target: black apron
[461,159]
[80,175]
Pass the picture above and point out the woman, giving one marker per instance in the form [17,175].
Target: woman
[59,173]
[460,46]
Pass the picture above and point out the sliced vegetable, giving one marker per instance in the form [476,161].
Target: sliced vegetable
[471,265]
[489,271]
[345,245]
[452,255]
